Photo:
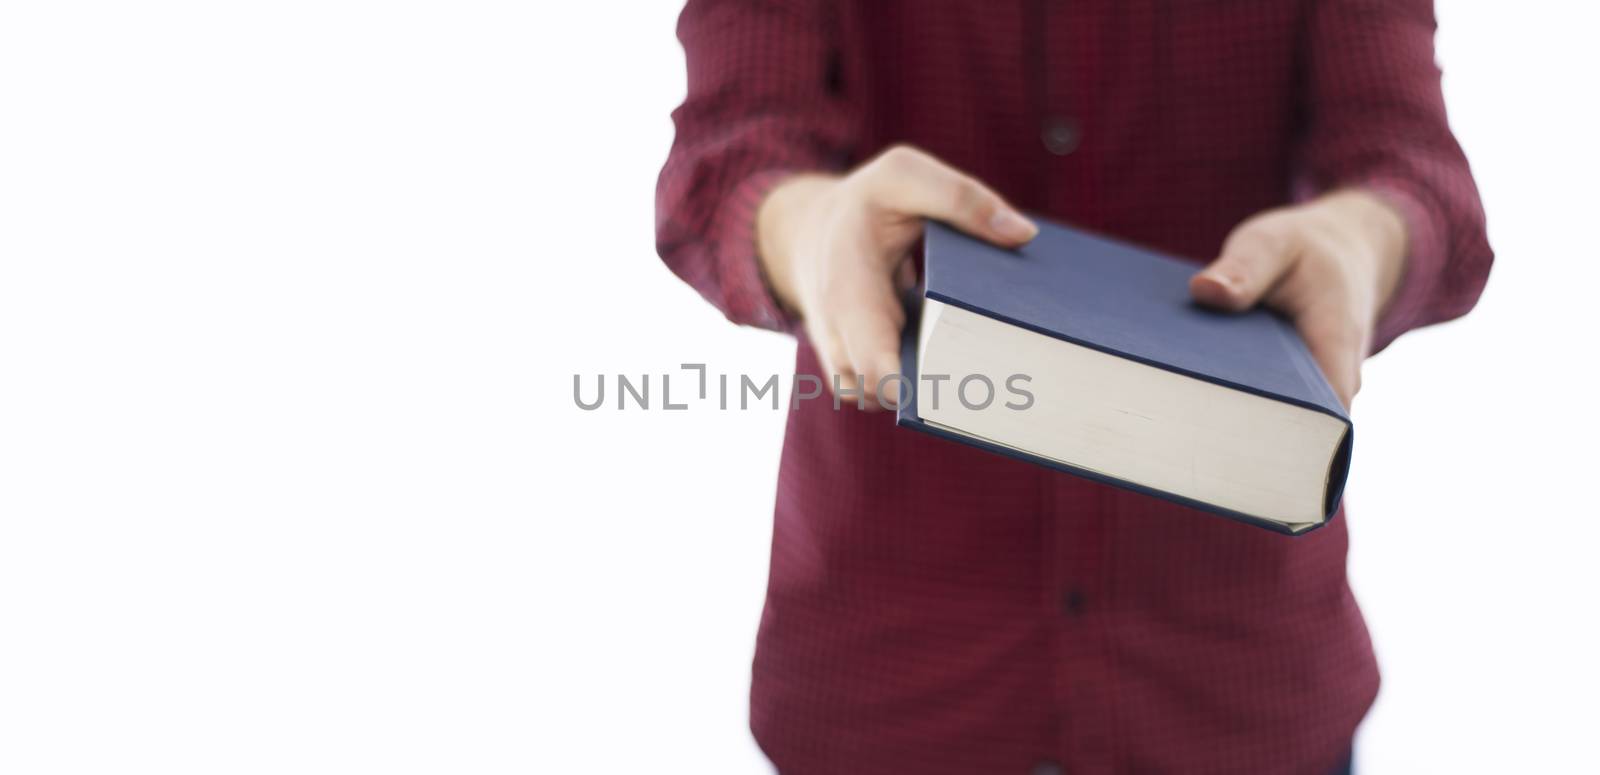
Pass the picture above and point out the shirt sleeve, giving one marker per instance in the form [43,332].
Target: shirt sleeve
[764,101]
[1375,118]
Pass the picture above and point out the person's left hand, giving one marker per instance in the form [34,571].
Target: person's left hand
[1330,265]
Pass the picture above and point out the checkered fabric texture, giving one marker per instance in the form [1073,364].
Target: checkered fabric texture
[935,609]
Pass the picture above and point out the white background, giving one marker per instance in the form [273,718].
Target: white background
[291,479]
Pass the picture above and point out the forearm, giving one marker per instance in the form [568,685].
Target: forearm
[757,108]
[1377,123]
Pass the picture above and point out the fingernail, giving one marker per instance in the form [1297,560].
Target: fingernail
[1014,227]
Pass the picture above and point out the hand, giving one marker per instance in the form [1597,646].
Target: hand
[836,248]
[1330,265]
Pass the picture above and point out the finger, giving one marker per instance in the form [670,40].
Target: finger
[1253,259]
[905,276]
[1337,343]
[869,323]
[913,182]
[831,355]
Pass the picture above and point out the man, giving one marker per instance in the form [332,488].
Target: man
[935,609]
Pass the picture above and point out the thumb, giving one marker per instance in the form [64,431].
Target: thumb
[910,181]
[1253,258]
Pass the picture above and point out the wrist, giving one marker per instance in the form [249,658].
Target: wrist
[781,220]
[1381,230]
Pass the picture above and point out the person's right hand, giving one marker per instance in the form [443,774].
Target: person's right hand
[835,249]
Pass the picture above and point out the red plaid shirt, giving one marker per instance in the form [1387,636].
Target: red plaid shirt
[935,609]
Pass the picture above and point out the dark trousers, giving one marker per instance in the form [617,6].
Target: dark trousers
[1345,767]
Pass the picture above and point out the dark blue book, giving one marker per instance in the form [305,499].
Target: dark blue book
[1087,355]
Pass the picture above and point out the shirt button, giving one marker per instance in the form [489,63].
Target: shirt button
[1060,135]
[1072,602]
